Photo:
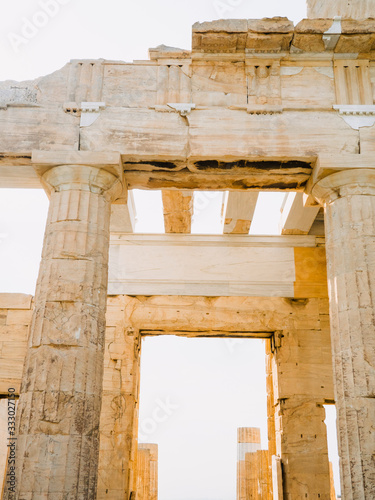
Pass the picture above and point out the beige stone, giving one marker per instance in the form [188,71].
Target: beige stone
[147,472]
[345,8]
[256,105]
[61,394]
[178,211]
[15,301]
[239,210]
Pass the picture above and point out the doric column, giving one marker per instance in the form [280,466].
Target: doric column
[349,200]
[60,397]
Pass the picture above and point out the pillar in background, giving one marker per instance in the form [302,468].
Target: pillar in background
[147,472]
[349,200]
[60,398]
[354,9]
[248,441]
[258,476]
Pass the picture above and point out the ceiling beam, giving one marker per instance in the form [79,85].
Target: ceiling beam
[177,210]
[123,216]
[296,218]
[239,208]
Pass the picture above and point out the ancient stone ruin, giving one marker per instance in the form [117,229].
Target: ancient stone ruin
[256,105]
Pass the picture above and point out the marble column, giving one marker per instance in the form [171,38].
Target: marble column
[349,200]
[60,398]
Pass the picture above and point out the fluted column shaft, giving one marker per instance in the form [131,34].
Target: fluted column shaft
[349,200]
[60,398]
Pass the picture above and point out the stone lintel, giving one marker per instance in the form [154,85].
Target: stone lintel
[44,160]
[221,173]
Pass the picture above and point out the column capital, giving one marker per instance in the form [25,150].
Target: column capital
[347,182]
[84,170]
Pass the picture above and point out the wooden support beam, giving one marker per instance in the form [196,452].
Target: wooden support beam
[295,217]
[123,216]
[239,208]
[178,211]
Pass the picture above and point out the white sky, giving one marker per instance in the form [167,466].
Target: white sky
[216,385]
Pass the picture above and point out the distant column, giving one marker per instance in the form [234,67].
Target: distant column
[258,476]
[248,441]
[147,472]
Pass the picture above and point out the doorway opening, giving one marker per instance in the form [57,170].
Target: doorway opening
[195,394]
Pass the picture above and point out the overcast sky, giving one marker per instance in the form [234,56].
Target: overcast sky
[213,386]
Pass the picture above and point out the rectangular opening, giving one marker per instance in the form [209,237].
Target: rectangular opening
[195,394]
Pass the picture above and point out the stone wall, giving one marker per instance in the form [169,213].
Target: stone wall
[15,319]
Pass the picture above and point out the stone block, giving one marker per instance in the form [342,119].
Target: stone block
[15,301]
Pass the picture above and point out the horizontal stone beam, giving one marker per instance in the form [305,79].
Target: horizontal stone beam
[295,217]
[239,210]
[231,265]
[123,216]
[177,210]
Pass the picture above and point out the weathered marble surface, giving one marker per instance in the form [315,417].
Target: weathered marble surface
[250,90]
[286,266]
[349,200]
[354,9]
[305,326]
[60,396]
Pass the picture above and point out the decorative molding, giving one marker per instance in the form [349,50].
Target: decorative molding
[184,108]
[263,82]
[357,115]
[88,111]
[264,109]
